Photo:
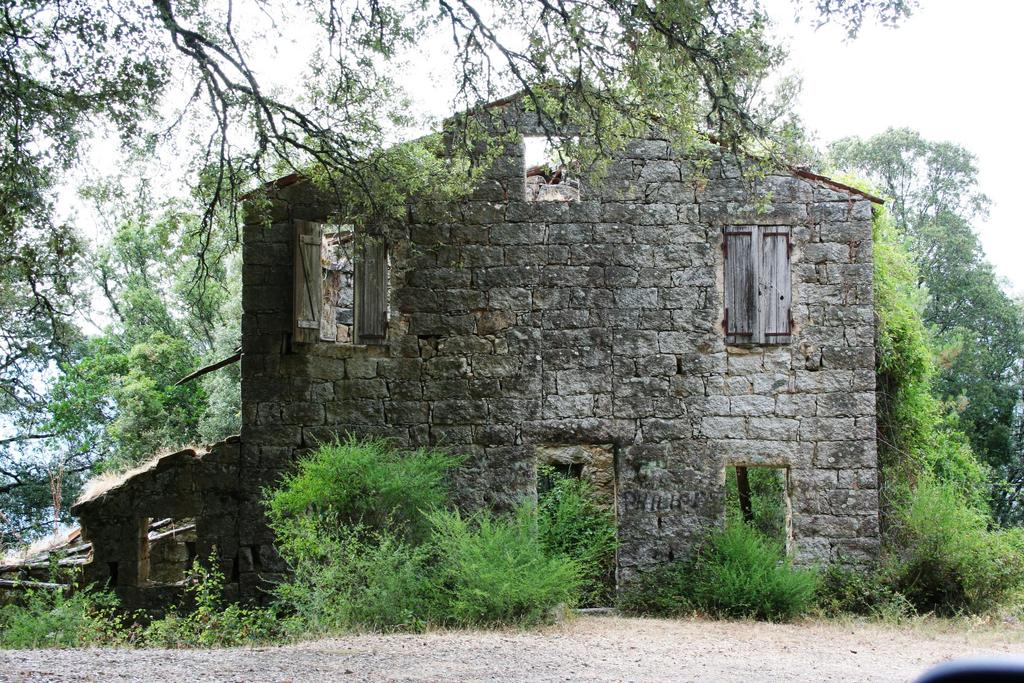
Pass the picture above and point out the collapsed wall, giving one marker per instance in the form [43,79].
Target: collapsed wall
[147,525]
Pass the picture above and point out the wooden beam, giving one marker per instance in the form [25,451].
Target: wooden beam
[233,358]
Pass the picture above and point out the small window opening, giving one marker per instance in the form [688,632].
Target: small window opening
[338,260]
[112,568]
[172,549]
[759,496]
[552,175]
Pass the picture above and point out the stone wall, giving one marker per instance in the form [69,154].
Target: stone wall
[199,490]
[521,325]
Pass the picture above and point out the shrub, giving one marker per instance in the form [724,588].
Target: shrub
[58,618]
[571,522]
[736,572]
[211,623]
[863,592]
[353,580]
[659,592]
[740,573]
[365,484]
[371,545]
[495,570]
[946,559]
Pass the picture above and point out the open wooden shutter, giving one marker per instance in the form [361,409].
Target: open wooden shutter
[775,286]
[307,279]
[740,320]
[371,290]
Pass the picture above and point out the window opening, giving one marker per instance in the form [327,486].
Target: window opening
[171,549]
[759,496]
[341,285]
[337,260]
[551,173]
[548,475]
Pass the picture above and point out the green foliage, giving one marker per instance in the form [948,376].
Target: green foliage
[741,574]
[767,498]
[211,623]
[735,573]
[86,617]
[371,544]
[46,618]
[976,328]
[862,592]
[493,570]
[573,523]
[353,579]
[946,559]
[121,405]
[916,433]
[365,484]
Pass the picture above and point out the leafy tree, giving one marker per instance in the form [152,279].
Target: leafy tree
[935,196]
[112,399]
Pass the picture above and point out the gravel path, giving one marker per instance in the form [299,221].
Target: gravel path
[583,649]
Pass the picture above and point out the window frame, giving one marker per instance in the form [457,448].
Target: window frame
[755,270]
[308,301]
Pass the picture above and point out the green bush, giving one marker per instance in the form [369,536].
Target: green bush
[57,618]
[662,591]
[861,592]
[735,573]
[495,569]
[353,580]
[572,523]
[211,623]
[370,540]
[739,573]
[365,484]
[945,557]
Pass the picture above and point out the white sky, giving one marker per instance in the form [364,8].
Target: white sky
[951,71]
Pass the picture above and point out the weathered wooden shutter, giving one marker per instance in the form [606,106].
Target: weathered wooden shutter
[308,276]
[775,287]
[371,290]
[740,320]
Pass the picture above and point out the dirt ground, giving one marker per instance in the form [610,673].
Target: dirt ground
[581,649]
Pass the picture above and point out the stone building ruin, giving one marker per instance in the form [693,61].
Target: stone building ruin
[647,332]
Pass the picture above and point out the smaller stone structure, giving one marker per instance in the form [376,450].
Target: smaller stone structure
[148,527]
